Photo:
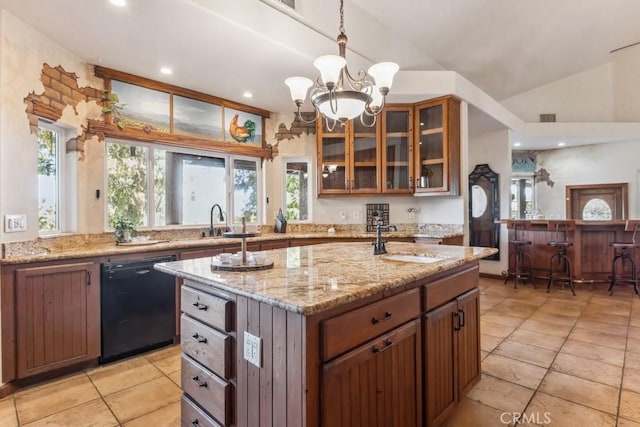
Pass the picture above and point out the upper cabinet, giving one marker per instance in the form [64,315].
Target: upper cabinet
[410,149]
[358,159]
[437,147]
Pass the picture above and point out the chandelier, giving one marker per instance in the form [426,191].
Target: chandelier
[336,94]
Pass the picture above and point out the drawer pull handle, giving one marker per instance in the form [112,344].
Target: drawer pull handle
[461,317]
[456,321]
[200,306]
[387,343]
[387,316]
[195,423]
[198,382]
[199,338]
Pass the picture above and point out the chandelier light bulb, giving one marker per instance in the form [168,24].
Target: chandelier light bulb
[330,67]
[298,87]
[383,73]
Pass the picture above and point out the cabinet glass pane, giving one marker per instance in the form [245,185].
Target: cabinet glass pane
[334,180]
[431,176]
[358,127]
[397,149]
[364,177]
[397,121]
[397,178]
[431,117]
[333,150]
[364,149]
[431,147]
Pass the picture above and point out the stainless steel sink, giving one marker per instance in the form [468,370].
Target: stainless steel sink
[423,259]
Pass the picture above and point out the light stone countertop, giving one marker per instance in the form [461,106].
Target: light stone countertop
[309,279]
[80,247]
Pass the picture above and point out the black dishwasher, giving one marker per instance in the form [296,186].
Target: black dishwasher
[137,306]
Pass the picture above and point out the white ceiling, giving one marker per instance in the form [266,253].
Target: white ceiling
[226,47]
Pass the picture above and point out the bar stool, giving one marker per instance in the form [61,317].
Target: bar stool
[561,243]
[625,252]
[518,258]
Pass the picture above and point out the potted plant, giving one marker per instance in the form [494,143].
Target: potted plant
[124,228]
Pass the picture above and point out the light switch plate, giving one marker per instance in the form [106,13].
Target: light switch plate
[15,223]
[252,349]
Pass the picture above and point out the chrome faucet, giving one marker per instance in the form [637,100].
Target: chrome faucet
[220,217]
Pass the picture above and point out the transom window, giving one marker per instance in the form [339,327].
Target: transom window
[158,186]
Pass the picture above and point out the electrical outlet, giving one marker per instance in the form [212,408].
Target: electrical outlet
[343,215]
[15,223]
[252,349]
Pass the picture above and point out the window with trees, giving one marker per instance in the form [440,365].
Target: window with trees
[297,189]
[50,166]
[154,185]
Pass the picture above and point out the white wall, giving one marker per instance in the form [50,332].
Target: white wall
[626,87]
[613,162]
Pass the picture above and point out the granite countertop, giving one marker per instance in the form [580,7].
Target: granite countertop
[310,279]
[83,249]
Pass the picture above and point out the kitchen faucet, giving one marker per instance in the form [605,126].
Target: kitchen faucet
[379,247]
[220,217]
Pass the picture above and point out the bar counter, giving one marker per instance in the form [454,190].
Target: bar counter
[590,255]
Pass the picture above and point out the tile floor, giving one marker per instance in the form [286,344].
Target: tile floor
[560,360]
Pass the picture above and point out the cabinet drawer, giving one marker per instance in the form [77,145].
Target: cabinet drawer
[206,345]
[349,330]
[191,415]
[444,290]
[212,393]
[209,309]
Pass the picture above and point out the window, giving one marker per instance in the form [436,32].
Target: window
[522,197]
[297,189]
[50,168]
[155,186]
[596,210]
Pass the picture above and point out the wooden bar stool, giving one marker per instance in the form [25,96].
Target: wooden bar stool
[519,258]
[625,252]
[561,243]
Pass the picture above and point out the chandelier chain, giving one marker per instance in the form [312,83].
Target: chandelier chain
[341,28]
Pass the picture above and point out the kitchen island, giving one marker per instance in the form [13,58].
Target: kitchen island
[332,335]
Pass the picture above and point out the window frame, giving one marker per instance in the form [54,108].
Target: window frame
[61,178]
[310,189]
[229,178]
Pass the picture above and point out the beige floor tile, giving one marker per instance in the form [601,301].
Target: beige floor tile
[526,353]
[554,411]
[631,379]
[632,361]
[594,352]
[502,319]
[513,309]
[630,405]
[495,329]
[589,369]
[600,338]
[121,375]
[143,398]
[611,319]
[8,416]
[500,394]
[515,371]
[537,339]
[562,309]
[616,313]
[168,416]
[557,319]
[546,327]
[57,396]
[167,360]
[584,392]
[488,343]
[634,332]
[627,423]
[471,413]
[91,414]
[607,328]
[633,345]
[175,376]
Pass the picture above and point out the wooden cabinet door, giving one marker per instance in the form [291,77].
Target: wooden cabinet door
[365,158]
[57,316]
[441,362]
[468,341]
[397,149]
[333,158]
[377,384]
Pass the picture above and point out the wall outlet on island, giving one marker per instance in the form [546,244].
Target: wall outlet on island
[252,349]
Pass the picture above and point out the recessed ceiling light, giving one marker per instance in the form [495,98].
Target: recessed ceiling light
[120,3]
[247,94]
[516,144]
[561,144]
[166,70]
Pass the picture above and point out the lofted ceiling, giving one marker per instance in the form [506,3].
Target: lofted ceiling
[227,47]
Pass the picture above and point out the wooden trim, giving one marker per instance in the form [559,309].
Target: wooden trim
[8,316]
[138,134]
[108,73]
[46,111]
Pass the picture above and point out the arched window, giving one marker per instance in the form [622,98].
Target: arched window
[597,210]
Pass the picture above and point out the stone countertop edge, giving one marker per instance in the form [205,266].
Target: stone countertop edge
[113,249]
[310,280]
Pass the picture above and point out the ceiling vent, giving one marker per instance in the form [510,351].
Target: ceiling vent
[547,118]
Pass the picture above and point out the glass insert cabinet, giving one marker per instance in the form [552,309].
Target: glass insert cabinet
[411,149]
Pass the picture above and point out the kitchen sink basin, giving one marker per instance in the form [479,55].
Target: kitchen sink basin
[423,259]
